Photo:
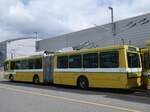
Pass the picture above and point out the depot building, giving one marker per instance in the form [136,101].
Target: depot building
[134,31]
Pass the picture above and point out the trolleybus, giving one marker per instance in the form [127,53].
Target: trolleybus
[110,67]
[145,54]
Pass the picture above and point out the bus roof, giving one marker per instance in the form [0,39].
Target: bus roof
[25,57]
[110,48]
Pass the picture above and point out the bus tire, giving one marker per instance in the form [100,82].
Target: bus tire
[11,78]
[82,82]
[36,79]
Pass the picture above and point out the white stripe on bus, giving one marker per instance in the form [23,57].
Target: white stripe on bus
[122,70]
[29,70]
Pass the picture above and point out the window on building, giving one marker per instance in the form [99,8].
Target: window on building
[109,59]
[62,62]
[75,61]
[90,60]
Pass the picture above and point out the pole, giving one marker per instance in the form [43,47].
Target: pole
[112,23]
[112,15]
[36,35]
[36,42]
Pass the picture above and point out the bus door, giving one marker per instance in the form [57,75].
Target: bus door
[48,68]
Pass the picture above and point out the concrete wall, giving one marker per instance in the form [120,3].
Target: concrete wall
[16,48]
[136,29]
[19,48]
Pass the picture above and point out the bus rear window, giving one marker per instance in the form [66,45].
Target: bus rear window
[133,60]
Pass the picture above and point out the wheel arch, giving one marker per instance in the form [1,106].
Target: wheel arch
[34,76]
[82,76]
[10,75]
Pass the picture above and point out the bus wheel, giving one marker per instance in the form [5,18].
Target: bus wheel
[11,78]
[83,83]
[36,79]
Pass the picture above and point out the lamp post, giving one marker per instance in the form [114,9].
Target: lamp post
[36,42]
[112,14]
[36,35]
[112,23]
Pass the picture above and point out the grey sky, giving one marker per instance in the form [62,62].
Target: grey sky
[49,18]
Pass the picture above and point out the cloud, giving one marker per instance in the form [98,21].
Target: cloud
[55,17]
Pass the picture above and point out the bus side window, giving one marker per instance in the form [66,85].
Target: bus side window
[30,64]
[24,64]
[38,63]
[109,59]
[5,66]
[75,61]
[12,65]
[90,60]
[17,65]
[62,62]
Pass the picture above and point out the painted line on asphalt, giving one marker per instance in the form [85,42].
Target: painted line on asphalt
[67,99]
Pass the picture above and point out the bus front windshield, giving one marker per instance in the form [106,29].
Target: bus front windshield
[133,60]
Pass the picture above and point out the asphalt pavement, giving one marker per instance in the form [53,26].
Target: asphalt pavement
[27,97]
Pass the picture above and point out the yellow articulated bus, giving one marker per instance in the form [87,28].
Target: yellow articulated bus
[111,67]
[28,69]
[145,54]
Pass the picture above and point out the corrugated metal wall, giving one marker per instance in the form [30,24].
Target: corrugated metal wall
[136,30]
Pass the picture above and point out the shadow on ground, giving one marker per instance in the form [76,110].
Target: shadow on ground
[138,96]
